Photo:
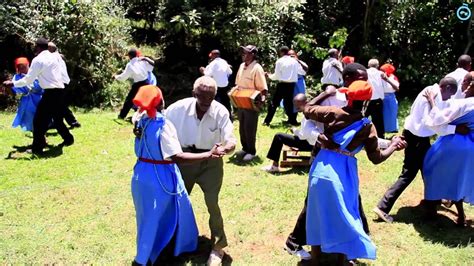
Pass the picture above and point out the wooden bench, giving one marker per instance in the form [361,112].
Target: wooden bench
[294,158]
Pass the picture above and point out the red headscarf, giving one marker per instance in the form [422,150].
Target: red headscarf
[389,69]
[21,61]
[348,60]
[359,90]
[147,99]
[139,54]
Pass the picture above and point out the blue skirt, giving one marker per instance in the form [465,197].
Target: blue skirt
[448,169]
[390,113]
[26,111]
[332,219]
[160,214]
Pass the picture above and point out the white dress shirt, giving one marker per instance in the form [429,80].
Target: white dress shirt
[330,74]
[458,75]
[220,71]
[46,68]
[416,121]
[169,142]
[450,111]
[136,69]
[377,83]
[214,127]
[309,131]
[287,69]
[62,64]
[387,88]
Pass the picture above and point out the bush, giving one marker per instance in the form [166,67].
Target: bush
[93,37]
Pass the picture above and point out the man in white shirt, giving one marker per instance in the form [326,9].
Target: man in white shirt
[464,66]
[219,70]
[202,123]
[375,108]
[137,69]
[417,135]
[332,70]
[286,73]
[46,68]
[68,115]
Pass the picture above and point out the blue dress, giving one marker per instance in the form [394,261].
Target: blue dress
[300,87]
[162,205]
[448,169]
[390,113]
[151,78]
[332,219]
[31,96]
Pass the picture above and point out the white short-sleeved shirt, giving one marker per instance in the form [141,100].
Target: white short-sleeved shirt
[214,127]
[376,81]
[387,88]
[169,142]
[330,74]
[220,71]
[287,69]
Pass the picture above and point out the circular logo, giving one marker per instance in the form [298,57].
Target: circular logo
[464,12]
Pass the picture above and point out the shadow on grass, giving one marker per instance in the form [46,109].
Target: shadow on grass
[327,259]
[198,257]
[234,159]
[19,153]
[441,230]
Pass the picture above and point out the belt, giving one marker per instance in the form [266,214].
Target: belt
[192,149]
[343,152]
[145,160]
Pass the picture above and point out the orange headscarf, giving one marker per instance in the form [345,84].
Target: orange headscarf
[139,54]
[348,60]
[21,61]
[359,90]
[389,69]
[147,99]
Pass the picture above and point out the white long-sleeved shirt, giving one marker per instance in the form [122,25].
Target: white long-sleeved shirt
[287,69]
[377,83]
[450,111]
[416,121]
[458,75]
[47,69]
[136,69]
[330,74]
[214,127]
[62,64]
[220,71]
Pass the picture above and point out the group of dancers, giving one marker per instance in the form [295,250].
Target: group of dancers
[182,145]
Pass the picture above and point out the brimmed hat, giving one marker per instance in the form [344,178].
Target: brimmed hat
[249,48]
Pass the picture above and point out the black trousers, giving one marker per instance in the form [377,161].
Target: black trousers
[415,152]
[128,104]
[51,106]
[293,141]
[223,98]
[284,91]
[248,122]
[375,111]
[297,237]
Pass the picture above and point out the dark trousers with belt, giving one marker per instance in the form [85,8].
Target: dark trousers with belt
[223,98]
[415,152]
[375,111]
[128,104]
[248,123]
[50,107]
[297,237]
[293,141]
[284,91]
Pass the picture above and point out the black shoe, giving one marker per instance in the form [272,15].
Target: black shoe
[68,142]
[75,124]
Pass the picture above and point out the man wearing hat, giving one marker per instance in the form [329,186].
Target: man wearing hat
[137,69]
[250,76]
[46,68]
[219,70]
[333,222]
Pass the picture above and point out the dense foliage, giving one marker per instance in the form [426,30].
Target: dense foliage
[422,38]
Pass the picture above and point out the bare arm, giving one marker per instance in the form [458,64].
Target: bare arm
[330,91]
[148,60]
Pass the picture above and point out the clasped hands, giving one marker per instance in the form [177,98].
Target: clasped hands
[397,142]
[217,151]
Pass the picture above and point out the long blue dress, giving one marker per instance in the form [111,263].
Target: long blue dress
[390,113]
[162,205]
[448,169]
[332,219]
[31,96]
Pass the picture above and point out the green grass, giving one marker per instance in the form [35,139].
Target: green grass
[75,206]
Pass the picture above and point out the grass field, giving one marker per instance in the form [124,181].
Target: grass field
[74,206]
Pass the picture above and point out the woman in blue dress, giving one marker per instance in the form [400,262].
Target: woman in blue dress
[449,163]
[333,222]
[30,97]
[390,103]
[163,209]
